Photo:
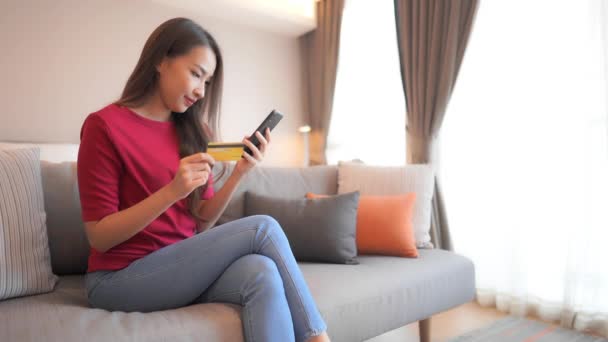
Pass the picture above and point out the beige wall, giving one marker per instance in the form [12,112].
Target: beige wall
[64,59]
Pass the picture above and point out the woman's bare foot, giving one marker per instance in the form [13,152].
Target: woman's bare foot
[321,338]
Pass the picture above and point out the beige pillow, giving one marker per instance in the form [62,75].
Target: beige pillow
[25,261]
[394,180]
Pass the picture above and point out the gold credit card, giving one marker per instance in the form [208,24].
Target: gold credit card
[225,151]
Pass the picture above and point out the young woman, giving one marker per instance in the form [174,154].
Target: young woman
[148,203]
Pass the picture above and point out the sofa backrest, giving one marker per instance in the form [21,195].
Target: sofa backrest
[67,238]
[279,182]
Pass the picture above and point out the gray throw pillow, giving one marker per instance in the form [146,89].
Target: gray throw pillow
[320,229]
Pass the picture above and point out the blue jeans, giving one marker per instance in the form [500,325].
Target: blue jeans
[247,262]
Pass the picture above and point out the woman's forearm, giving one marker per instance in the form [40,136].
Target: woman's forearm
[212,209]
[121,226]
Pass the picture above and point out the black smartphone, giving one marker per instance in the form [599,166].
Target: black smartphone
[270,122]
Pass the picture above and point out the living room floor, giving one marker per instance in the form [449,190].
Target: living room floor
[446,325]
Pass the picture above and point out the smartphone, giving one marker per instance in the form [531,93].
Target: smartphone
[270,122]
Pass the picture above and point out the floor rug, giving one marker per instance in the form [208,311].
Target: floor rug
[517,329]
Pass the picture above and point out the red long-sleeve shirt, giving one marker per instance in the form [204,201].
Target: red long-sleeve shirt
[124,158]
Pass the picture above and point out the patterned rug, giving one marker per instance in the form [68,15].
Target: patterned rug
[517,329]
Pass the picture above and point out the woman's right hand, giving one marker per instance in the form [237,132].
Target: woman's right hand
[193,171]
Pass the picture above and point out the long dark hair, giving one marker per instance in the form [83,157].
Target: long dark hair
[200,123]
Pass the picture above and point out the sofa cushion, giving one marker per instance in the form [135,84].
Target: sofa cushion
[64,315]
[25,265]
[321,230]
[384,293]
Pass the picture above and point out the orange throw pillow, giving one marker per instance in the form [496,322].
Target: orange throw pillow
[384,225]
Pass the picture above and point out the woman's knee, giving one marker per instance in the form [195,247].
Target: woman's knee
[258,264]
[261,270]
[268,224]
[264,220]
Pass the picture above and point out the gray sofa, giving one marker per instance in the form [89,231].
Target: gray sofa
[358,302]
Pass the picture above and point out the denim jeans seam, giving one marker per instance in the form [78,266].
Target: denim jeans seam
[214,298]
[297,290]
[253,240]
[249,338]
[167,266]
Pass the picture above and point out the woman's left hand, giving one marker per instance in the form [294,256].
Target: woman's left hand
[248,162]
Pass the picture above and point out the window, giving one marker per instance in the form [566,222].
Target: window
[368,118]
[524,155]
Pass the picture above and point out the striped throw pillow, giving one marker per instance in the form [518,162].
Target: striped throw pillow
[25,261]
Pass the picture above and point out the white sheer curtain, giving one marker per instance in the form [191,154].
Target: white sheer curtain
[368,117]
[524,159]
